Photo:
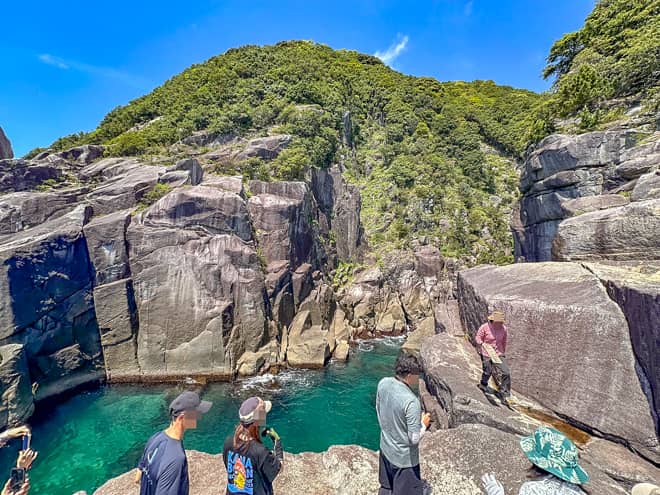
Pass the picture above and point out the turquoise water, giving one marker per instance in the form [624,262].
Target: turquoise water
[97,435]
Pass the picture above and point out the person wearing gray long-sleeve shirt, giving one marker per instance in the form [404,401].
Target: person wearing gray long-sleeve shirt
[402,425]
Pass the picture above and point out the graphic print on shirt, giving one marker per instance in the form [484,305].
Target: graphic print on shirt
[240,476]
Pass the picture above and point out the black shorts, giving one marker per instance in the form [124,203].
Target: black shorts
[398,481]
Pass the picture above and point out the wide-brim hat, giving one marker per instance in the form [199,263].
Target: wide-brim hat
[645,489]
[550,450]
[497,316]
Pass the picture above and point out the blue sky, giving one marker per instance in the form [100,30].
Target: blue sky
[66,64]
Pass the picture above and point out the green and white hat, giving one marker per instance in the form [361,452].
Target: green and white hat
[550,450]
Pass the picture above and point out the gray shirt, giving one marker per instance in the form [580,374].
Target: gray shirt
[399,416]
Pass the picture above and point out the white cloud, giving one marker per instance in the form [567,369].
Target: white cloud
[50,60]
[394,50]
[467,10]
[95,70]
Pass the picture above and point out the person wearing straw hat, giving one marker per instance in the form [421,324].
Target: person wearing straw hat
[251,467]
[491,339]
[555,464]
[645,489]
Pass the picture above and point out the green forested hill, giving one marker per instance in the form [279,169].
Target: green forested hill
[615,54]
[432,158]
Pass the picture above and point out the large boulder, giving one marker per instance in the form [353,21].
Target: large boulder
[282,214]
[569,346]
[5,146]
[15,386]
[188,252]
[622,234]
[635,287]
[23,175]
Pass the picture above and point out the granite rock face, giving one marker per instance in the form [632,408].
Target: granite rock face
[563,171]
[153,272]
[569,346]
[15,386]
[5,146]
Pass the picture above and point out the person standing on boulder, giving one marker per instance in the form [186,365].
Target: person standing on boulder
[402,425]
[251,467]
[163,468]
[491,339]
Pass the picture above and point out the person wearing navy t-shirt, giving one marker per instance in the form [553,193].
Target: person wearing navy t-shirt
[163,468]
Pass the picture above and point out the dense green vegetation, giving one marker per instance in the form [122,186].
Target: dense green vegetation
[433,159]
[616,54]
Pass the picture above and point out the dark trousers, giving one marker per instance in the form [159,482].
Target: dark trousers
[398,481]
[501,371]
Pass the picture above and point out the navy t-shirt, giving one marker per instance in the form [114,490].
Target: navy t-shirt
[164,467]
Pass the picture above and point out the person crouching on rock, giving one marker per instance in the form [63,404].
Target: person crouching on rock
[402,425]
[491,339]
[163,468]
[251,467]
[555,466]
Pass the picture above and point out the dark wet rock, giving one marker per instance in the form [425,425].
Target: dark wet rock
[15,386]
[47,303]
[564,334]
[622,234]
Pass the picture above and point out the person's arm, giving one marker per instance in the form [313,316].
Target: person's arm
[506,333]
[479,338]
[271,465]
[414,422]
[12,433]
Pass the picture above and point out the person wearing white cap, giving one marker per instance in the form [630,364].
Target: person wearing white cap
[163,468]
[645,489]
[251,467]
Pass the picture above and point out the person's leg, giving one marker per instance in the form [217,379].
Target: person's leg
[504,378]
[385,475]
[407,481]
[487,368]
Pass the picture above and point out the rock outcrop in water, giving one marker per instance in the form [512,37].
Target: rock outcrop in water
[119,269]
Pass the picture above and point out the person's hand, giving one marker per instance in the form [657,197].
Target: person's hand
[23,490]
[426,419]
[26,458]
[272,434]
[491,485]
[137,479]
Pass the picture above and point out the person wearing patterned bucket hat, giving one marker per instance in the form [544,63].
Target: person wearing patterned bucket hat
[555,457]
[645,489]
[251,467]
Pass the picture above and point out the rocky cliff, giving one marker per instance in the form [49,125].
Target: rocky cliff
[113,268]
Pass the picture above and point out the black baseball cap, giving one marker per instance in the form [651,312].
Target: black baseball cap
[189,401]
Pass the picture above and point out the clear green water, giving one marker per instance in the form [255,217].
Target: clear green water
[97,435]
